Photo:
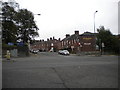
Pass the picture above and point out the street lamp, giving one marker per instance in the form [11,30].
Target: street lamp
[94,30]
[94,20]
[37,14]
[29,27]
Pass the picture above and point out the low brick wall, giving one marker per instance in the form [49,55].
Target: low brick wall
[19,51]
[4,50]
[23,51]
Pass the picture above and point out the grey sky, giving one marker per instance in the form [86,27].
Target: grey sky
[60,17]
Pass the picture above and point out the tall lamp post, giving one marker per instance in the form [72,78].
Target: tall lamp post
[29,27]
[94,20]
[94,31]
[37,14]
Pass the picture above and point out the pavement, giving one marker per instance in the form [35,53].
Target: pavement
[51,70]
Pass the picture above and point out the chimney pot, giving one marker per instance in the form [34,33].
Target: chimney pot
[50,38]
[77,32]
[47,39]
[67,35]
[59,39]
[53,38]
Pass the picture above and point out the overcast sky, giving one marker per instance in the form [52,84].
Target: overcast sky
[61,17]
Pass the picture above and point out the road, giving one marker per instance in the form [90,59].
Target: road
[0,73]
[51,70]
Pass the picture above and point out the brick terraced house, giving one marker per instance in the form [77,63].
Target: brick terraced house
[47,45]
[79,43]
[74,43]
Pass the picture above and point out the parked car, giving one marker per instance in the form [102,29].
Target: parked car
[64,52]
[31,50]
[34,51]
[60,52]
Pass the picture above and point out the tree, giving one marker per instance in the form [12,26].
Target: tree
[110,41]
[17,25]
[27,29]
[9,28]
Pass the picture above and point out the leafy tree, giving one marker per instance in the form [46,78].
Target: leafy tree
[110,41]
[27,29]
[17,25]
[9,29]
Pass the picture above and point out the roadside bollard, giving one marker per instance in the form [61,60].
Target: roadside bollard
[8,55]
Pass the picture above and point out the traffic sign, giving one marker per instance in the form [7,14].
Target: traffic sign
[11,44]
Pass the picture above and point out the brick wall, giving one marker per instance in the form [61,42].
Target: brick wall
[75,43]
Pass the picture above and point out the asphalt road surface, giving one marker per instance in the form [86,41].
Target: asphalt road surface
[0,73]
[51,70]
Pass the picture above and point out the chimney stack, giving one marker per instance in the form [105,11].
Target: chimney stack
[77,32]
[67,35]
[59,39]
[53,38]
[50,38]
[47,39]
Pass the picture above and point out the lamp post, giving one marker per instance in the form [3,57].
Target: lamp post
[94,30]
[94,20]
[102,48]
[37,14]
[29,27]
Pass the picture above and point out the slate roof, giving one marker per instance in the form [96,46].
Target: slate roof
[88,34]
[76,36]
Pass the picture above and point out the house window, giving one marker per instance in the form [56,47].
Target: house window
[69,42]
[63,43]
[74,41]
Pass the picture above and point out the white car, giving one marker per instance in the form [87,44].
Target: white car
[34,51]
[64,52]
[60,51]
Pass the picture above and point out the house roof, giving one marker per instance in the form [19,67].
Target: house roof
[75,36]
[88,34]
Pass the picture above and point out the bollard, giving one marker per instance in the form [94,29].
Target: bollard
[8,55]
